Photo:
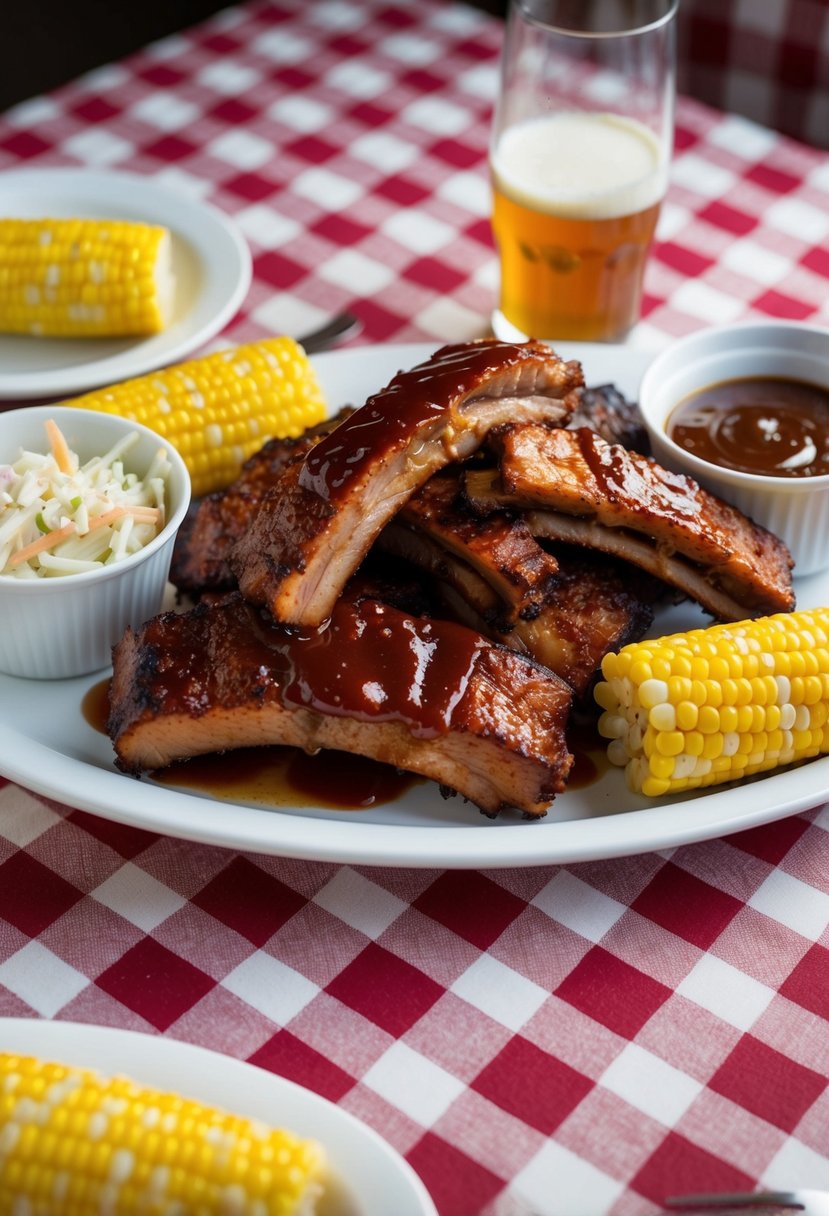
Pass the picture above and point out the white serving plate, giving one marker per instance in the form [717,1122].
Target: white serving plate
[46,745]
[211,263]
[368,1177]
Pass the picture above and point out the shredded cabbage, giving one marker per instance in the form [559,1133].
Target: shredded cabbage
[58,517]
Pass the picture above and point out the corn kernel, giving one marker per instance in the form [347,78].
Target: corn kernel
[84,278]
[687,715]
[654,787]
[53,1166]
[662,766]
[191,405]
[722,702]
[663,717]
[669,743]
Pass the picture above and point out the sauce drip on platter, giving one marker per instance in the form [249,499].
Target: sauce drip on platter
[286,776]
[95,705]
[589,751]
[273,776]
[767,425]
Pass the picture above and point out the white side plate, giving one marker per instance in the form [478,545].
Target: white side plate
[211,263]
[46,744]
[368,1177]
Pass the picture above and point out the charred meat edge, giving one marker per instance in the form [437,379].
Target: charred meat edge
[605,410]
[217,521]
[500,547]
[314,529]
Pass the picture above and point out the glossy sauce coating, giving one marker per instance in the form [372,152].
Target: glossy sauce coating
[368,662]
[390,417]
[358,665]
[766,425]
[620,478]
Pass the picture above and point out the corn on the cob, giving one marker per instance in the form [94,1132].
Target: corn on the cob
[220,409]
[84,278]
[713,705]
[75,1144]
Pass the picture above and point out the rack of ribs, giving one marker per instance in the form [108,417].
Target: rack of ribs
[467,676]
[575,487]
[431,697]
[312,530]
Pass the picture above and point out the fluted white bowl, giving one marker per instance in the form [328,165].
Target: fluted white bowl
[52,628]
[795,508]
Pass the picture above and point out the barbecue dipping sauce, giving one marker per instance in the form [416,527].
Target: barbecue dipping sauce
[767,425]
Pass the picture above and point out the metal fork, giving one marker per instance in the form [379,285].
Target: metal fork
[813,1203]
[343,325]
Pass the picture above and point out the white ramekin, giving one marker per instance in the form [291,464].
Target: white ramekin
[59,627]
[795,508]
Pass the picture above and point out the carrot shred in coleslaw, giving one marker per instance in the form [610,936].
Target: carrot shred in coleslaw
[59,517]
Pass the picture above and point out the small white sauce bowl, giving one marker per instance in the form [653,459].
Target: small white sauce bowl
[52,628]
[795,508]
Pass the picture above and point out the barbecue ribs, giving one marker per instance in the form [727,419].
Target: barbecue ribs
[315,527]
[431,697]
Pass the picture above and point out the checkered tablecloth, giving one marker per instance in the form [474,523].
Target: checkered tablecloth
[768,60]
[568,1041]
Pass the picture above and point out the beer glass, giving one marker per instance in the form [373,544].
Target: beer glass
[579,157]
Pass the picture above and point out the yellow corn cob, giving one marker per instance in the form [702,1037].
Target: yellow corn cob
[84,278]
[717,704]
[75,1144]
[220,409]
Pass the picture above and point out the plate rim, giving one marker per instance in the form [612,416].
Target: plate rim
[79,1043]
[140,358]
[647,827]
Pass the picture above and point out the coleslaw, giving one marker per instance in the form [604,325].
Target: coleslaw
[59,517]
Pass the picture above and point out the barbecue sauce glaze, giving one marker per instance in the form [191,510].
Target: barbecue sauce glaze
[766,425]
[369,662]
[358,666]
[621,480]
[390,417]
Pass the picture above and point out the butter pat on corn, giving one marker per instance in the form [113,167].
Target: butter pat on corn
[74,278]
[75,1144]
[718,704]
[220,409]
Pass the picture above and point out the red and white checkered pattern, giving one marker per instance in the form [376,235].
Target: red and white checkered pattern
[566,1041]
[768,61]
[348,139]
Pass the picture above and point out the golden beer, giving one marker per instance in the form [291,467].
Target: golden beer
[576,200]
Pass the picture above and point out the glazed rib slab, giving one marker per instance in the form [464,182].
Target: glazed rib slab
[313,529]
[430,697]
[580,489]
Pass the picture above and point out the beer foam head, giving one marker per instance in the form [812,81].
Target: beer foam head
[580,165]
